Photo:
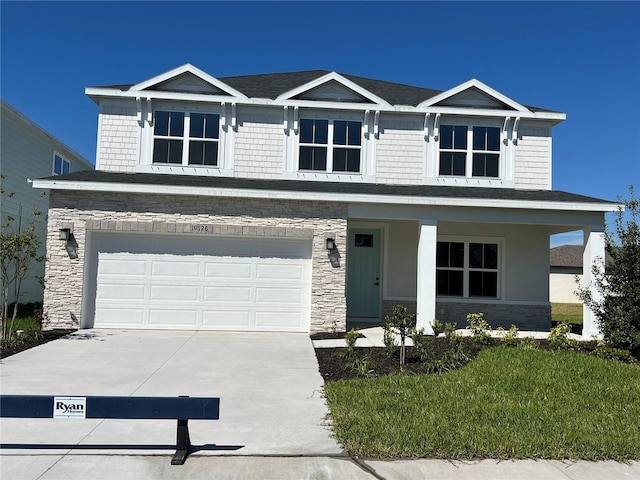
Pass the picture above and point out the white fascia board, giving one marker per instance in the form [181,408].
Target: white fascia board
[480,86]
[333,76]
[319,196]
[478,112]
[95,93]
[187,68]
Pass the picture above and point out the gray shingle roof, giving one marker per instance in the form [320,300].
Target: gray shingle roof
[272,85]
[569,256]
[427,191]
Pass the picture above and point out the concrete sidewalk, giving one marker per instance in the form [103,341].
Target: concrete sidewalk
[272,424]
[130,467]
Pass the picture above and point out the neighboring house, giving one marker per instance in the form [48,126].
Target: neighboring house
[565,264]
[292,201]
[27,152]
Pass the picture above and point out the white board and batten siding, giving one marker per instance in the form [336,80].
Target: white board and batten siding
[202,283]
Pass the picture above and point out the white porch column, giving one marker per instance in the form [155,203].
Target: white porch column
[426,295]
[593,253]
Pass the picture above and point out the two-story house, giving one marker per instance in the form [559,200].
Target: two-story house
[294,201]
[27,151]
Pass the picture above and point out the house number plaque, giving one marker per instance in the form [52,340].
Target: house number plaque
[200,228]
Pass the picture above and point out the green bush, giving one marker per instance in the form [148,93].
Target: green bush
[612,353]
[401,321]
[559,338]
[351,337]
[389,341]
[419,342]
[617,302]
[362,366]
[437,326]
[480,329]
[509,337]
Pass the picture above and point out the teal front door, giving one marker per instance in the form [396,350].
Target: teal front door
[363,273]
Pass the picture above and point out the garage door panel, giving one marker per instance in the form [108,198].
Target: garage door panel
[202,283]
[120,291]
[279,319]
[265,271]
[291,295]
[167,268]
[173,317]
[226,318]
[174,293]
[227,294]
[222,269]
[120,266]
[120,316]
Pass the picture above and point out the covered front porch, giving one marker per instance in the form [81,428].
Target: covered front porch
[445,262]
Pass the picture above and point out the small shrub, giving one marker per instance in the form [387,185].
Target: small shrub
[453,358]
[419,342]
[389,341]
[528,343]
[509,337]
[351,337]
[479,327]
[362,366]
[611,353]
[400,321]
[437,326]
[449,330]
[559,337]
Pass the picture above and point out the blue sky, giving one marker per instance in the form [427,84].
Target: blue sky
[581,58]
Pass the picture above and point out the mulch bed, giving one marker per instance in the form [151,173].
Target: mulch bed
[334,365]
[46,336]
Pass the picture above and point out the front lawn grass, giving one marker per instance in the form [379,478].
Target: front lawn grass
[567,312]
[507,403]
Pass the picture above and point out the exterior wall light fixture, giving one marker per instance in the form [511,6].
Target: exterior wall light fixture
[330,243]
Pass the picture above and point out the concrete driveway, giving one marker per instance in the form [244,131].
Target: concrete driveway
[269,386]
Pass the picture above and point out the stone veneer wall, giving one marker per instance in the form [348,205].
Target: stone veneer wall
[154,213]
[525,317]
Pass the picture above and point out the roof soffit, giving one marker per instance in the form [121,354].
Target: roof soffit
[474,94]
[187,79]
[332,87]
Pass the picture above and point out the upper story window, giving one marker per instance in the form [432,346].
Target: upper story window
[186,138]
[469,151]
[467,269]
[60,165]
[330,145]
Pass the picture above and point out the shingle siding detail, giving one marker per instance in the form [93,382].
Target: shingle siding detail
[102,211]
[400,153]
[532,169]
[119,134]
[259,148]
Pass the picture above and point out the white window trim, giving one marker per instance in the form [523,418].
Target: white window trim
[64,160]
[292,147]
[432,154]
[500,241]
[226,138]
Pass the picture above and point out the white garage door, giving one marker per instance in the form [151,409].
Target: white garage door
[214,283]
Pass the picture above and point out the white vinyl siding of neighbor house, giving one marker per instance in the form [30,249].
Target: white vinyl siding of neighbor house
[259,149]
[118,137]
[400,155]
[28,152]
[533,158]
